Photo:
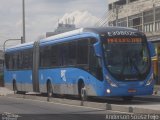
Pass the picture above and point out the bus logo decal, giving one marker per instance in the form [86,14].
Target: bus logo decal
[14,76]
[63,75]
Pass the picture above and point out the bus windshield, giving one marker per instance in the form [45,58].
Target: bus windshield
[127,58]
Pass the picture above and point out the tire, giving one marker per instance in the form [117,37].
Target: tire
[127,98]
[83,93]
[49,89]
[15,87]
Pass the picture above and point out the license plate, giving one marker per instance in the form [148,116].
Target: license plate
[131,90]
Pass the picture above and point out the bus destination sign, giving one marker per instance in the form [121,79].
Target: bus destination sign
[124,40]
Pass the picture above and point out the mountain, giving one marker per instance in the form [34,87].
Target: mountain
[79,18]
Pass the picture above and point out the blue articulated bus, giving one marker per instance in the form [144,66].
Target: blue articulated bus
[111,61]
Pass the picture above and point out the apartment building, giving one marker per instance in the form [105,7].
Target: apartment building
[143,15]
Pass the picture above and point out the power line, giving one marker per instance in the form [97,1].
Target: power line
[102,18]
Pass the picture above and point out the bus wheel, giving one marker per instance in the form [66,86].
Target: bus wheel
[83,93]
[127,98]
[14,87]
[49,89]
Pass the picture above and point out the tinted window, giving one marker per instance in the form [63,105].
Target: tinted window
[49,56]
[45,54]
[19,60]
[65,54]
[82,52]
[72,49]
[25,59]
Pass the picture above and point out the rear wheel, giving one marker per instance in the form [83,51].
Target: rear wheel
[14,87]
[49,89]
[82,91]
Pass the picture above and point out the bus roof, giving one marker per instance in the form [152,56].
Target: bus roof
[20,46]
[98,30]
[63,35]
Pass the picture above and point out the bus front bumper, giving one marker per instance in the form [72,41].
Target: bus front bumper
[145,90]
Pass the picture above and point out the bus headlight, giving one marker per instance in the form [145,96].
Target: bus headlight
[150,80]
[108,91]
[111,82]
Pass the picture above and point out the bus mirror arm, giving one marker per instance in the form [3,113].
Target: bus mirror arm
[97,49]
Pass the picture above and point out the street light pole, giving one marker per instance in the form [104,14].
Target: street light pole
[4,44]
[23,14]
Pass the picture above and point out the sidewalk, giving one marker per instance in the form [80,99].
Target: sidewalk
[4,91]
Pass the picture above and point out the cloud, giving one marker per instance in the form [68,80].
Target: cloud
[80,18]
[42,16]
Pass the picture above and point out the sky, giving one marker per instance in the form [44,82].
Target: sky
[42,16]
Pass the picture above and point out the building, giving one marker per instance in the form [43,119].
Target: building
[143,15]
[61,29]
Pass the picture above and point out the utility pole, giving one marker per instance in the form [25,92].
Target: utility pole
[23,15]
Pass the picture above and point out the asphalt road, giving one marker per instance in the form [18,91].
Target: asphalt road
[41,110]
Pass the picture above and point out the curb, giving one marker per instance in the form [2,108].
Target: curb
[153,98]
[104,106]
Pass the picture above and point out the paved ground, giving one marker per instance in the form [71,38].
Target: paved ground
[38,110]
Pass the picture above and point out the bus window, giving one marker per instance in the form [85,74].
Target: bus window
[19,60]
[14,60]
[72,53]
[45,53]
[54,55]
[64,54]
[27,58]
[82,51]
[7,61]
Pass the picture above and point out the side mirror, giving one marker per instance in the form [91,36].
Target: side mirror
[151,49]
[97,49]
